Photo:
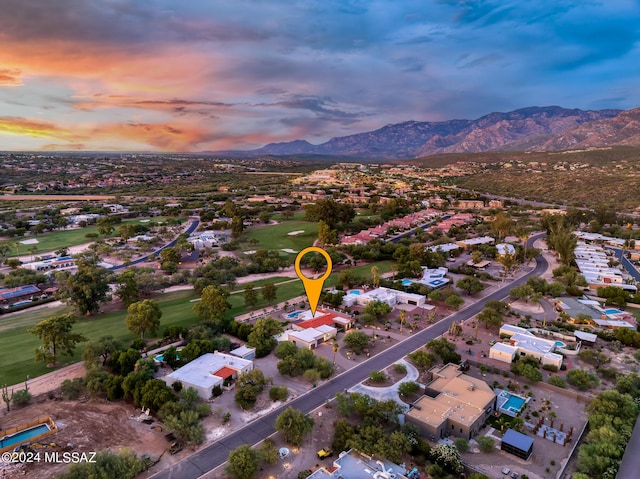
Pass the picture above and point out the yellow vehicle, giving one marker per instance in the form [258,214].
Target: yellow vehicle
[324,453]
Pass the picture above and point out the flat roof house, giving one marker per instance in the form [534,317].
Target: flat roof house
[454,404]
[391,297]
[352,464]
[526,344]
[208,371]
[517,444]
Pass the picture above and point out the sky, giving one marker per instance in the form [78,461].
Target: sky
[166,75]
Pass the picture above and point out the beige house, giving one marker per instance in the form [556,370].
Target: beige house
[454,404]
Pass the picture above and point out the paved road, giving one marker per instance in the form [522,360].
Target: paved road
[216,454]
[192,227]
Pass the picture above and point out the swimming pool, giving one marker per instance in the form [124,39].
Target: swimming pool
[613,311]
[160,357]
[354,291]
[20,303]
[560,344]
[406,282]
[22,436]
[511,404]
[294,315]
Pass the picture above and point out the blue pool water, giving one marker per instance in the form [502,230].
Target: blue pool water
[560,344]
[612,311]
[160,357]
[20,303]
[406,282]
[22,436]
[514,403]
[294,315]
[354,291]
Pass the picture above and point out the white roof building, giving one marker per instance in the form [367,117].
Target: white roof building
[391,297]
[208,371]
[505,248]
[528,345]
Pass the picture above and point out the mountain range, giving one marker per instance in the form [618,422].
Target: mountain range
[527,129]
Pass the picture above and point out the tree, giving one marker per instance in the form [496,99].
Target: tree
[143,316]
[501,225]
[326,235]
[237,226]
[375,311]
[582,380]
[490,317]
[593,357]
[508,261]
[262,336]
[523,291]
[248,386]
[375,276]
[329,211]
[486,444]
[629,384]
[186,426]
[470,284]
[250,296]
[243,462]
[269,292]
[127,289]
[454,301]
[335,351]
[422,359]
[448,457]
[445,350]
[527,367]
[356,340]
[56,336]
[106,465]
[88,287]
[294,426]
[100,350]
[212,306]
[4,252]
[347,278]
[407,388]
[106,225]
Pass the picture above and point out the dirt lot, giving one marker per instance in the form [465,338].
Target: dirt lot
[89,426]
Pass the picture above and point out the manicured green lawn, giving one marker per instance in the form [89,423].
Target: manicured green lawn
[17,346]
[49,242]
[276,236]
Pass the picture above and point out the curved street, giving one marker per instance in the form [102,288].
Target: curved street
[215,454]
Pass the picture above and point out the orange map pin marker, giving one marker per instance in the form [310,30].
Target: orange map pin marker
[313,287]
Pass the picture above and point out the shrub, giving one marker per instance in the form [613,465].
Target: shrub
[21,397]
[557,381]
[138,344]
[177,387]
[550,367]
[461,444]
[485,444]
[72,388]
[377,376]
[216,391]
[582,380]
[400,368]
[278,393]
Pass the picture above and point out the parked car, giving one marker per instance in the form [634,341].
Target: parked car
[324,453]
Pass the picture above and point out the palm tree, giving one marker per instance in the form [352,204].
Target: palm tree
[403,315]
[32,250]
[335,351]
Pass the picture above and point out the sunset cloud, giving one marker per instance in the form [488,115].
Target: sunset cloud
[193,76]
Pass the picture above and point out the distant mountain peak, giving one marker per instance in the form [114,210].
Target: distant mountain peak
[530,128]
